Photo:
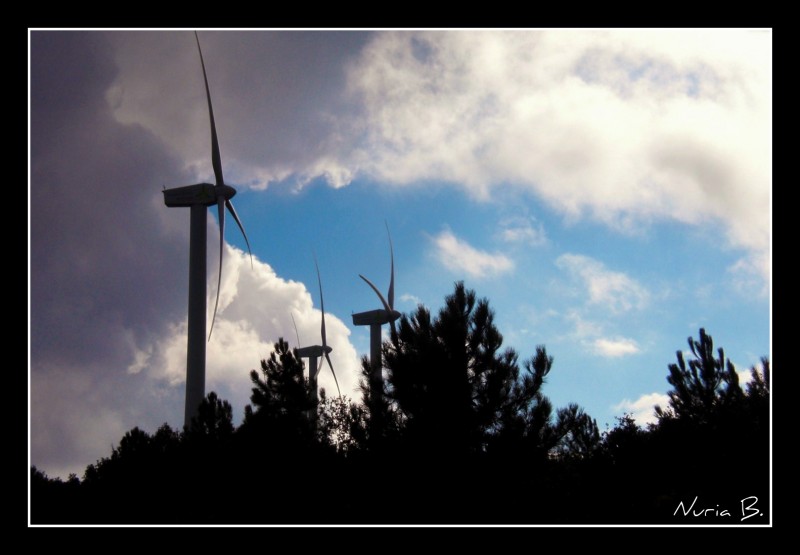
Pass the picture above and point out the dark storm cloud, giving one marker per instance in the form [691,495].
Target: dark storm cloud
[283,95]
[114,117]
[105,271]
[300,76]
[100,257]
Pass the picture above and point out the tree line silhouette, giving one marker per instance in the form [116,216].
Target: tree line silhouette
[463,434]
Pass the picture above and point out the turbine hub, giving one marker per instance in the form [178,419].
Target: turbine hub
[225,191]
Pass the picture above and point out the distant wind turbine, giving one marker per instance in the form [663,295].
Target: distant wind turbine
[315,352]
[198,198]
[375,319]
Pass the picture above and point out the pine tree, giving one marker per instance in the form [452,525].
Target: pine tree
[280,392]
[448,376]
[713,439]
[214,420]
[457,389]
[703,388]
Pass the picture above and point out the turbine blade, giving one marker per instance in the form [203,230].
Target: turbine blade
[391,281]
[229,204]
[385,304]
[322,305]
[215,158]
[295,329]
[221,207]
[328,358]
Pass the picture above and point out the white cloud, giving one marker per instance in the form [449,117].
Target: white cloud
[409,298]
[643,408]
[744,377]
[255,309]
[523,230]
[78,414]
[615,347]
[592,336]
[622,126]
[583,327]
[459,256]
[614,290]
[747,275]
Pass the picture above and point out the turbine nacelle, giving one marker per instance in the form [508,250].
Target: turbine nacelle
[379,316]
[203,194]
[314,352]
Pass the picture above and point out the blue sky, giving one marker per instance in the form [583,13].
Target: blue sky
[609,192]
[616,347]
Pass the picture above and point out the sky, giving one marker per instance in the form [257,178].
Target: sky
[608,191]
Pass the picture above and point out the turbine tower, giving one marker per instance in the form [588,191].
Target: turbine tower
[315,352]
[375,319]
[198,198]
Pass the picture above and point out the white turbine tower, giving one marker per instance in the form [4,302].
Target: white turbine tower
[375,319]
[315,352]
[198,198]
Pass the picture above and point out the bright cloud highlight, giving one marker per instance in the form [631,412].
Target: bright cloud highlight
[643,408]
[615,347]
[523,230]
[459,256]
[624,127]
[614,290]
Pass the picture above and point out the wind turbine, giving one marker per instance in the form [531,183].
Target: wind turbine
[198,198]
[375,319]
[315,352]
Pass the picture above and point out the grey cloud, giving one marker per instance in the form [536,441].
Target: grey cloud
[107,270]
[277,90]
[109,262]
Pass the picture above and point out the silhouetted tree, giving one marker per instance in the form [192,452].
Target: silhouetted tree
[526,428]
[625,477]
[623,439]
[713,439]
[341,424]
[54,501]
[279,438]
[704,387]
[450,379]
[128,466]
[758,387]
[280,394]
[141,467]
[382,421]
[214,420]
[758,394]
[464,409]
[466,435]
[577,432]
